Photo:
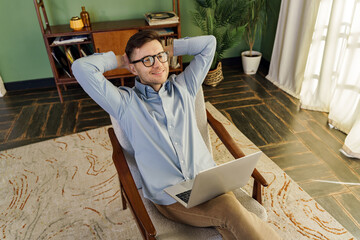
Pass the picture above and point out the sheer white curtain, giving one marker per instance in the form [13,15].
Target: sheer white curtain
[316,58]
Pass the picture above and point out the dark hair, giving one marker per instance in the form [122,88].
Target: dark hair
[139,39]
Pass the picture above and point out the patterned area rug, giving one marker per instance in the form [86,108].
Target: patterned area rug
[67,188]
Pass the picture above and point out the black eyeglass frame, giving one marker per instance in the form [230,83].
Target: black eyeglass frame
[153,57]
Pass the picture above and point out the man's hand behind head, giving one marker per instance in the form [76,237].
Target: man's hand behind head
[123,61]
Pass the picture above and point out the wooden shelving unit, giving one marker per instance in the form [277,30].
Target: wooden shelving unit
[101,37]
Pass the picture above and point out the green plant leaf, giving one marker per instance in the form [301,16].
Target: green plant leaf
[257,19]
[225,19]
[198,21]
[206,3]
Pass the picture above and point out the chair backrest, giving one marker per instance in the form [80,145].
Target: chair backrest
[201,120]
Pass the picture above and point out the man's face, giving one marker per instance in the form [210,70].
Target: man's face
[155,75]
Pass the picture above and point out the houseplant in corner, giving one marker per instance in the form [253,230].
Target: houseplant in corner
[256,16]
[225,19]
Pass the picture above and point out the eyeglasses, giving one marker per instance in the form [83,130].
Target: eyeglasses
[149,61]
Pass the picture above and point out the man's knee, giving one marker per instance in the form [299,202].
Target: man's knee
[231,210]
[228,201]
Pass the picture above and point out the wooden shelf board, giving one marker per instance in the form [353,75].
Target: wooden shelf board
[64,30]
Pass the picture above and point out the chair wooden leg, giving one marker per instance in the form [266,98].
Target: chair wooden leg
[123,199]
[257,191]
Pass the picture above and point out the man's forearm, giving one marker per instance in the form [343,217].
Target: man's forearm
[88,71]
[203,50]
[204,45]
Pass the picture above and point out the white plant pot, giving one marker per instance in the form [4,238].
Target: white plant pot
[250,64]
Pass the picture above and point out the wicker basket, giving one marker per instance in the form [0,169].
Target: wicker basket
[214,77]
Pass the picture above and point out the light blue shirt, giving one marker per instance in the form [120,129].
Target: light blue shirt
[161,126]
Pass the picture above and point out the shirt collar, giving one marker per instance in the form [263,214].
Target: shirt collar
[148,91]
[144,90]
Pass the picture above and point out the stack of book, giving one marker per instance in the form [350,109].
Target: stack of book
[163,31]
[64,56]
[160,18]
[69,39]
[173,61]
[60,60]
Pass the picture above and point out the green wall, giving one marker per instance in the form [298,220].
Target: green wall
[268,38]
[22,50]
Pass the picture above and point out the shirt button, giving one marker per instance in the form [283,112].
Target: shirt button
[176,143]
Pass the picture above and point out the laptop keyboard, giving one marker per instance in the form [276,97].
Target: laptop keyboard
[184,196]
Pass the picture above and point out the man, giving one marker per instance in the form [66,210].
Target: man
[158,118]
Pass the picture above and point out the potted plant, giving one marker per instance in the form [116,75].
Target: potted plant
[256,22]
[225,19]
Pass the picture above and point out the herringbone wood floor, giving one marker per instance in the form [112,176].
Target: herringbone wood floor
[299,141]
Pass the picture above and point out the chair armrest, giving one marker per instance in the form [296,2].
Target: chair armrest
[231,145]
[131,192]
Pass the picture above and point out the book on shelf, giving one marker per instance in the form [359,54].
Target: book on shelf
[72,53]
[86,50]
[69,39]
[163,31]
[159,18]
[60,60]
[69,55]
[173,61]
[83,53]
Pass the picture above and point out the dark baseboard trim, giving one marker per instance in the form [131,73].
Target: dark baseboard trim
[263,68]
[231,61]
[30,84]
[237,60]
[225,62]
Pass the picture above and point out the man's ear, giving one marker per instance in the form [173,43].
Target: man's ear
[132,69]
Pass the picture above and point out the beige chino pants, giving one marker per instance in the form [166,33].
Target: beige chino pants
[226,214]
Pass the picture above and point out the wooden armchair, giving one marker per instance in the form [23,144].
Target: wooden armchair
[142,209]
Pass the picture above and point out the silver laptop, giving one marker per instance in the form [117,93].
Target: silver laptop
[214,181]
